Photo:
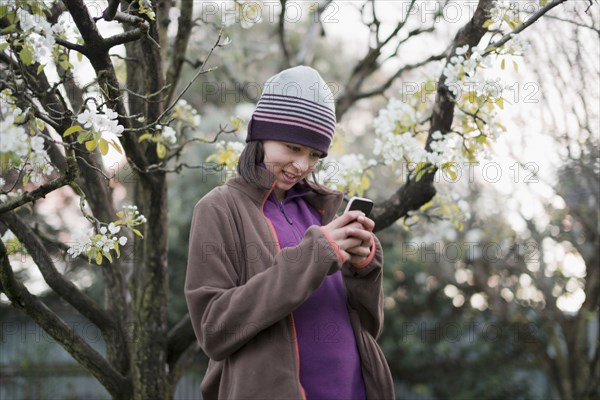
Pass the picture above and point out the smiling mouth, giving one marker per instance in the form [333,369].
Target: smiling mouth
[290,177]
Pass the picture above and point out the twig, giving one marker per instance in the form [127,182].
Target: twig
[523,26]
[200,72]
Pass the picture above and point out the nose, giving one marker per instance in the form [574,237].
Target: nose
[301,164]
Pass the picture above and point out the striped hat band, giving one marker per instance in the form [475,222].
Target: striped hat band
[296,106]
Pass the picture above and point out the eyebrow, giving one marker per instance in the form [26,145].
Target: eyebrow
[311,150]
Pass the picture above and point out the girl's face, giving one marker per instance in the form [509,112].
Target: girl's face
[289,162]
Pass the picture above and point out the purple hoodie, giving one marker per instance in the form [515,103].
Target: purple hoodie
[329,359]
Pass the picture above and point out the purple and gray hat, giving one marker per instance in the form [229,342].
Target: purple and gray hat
[296,106]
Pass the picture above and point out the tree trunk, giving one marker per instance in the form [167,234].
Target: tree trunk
[149,344]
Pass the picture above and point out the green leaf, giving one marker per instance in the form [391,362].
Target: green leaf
[72,130]
[503,64]
[108,256]
[516,66]
[500,102]
[421,170]
[65,64]
[543,3]
[453,175]
[426,206]
[137,232]
[9,29]
[3,10]
[117,250]
[488,23]
[161,150]
[98,257]
[103,146]
[145,136]
[41,68]
[4,46]
[36,9]
[237,123]
[26,56]
[91,145]
[115,145]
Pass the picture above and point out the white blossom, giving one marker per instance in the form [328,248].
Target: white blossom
[167,134]
[112,228]
[106,122]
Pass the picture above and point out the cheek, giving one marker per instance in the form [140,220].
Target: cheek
[310,170]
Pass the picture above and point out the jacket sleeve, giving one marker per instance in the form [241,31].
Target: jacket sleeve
[365,290]
[226,314]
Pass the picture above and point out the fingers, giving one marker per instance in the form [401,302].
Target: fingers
[349,243]
[356,260]
[351,233]
[359,251]
[362,234]
[345,219]
[367,223]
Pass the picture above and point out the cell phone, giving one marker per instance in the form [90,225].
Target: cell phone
[361,204]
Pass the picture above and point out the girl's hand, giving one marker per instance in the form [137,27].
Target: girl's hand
[361,229]
[339,231]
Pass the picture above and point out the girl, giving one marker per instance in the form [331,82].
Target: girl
[285,299]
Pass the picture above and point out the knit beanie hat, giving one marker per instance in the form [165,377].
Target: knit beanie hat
[296,106]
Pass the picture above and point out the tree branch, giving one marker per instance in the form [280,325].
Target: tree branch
[38,193]
[413,195]
[530,21]
[63,287]
[184,30]
[578,24]
[70,46]
[97,53]
[125,37]
[110,11]
[369,64]
[200,72]
[87,27]
[281,33]
[306,51]
[180,338]
[382,88]
[79,349]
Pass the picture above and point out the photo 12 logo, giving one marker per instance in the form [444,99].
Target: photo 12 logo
[270,11]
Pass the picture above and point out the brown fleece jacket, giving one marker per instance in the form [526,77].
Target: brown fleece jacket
[241,290]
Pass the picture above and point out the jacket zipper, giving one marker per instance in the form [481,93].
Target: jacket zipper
[293,324]
[293,227]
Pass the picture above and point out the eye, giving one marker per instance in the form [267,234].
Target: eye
[315,155]
[293,148]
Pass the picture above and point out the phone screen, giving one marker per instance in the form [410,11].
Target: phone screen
[361,204]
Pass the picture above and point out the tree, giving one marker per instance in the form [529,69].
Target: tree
[528,285]
[55,131]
